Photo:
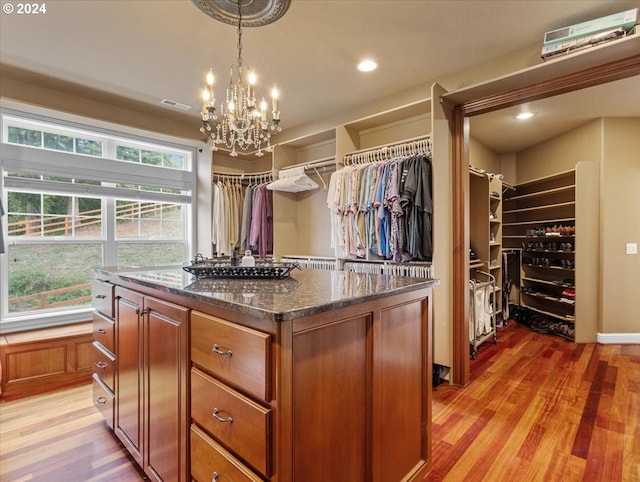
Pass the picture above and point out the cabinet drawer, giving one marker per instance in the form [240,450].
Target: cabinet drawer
[210,461]
[102,297]
[103,331]
[104,365]
[238,423]
[233,353]
[103,400]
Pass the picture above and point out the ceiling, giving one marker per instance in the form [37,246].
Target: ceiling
[152,50]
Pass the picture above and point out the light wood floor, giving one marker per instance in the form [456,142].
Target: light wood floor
[60,437]
[540,409]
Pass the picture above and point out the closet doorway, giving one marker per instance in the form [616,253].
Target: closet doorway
[468,110]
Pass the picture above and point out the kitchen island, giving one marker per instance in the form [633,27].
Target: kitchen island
[323,375]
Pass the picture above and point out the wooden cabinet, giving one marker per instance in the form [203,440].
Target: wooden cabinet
[361,396]
[103,348]
[343,395]
[208,393]
[232,367]
[151,415]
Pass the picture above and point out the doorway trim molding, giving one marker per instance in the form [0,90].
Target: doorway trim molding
[459,122]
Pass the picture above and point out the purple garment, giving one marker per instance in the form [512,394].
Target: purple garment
[261,235]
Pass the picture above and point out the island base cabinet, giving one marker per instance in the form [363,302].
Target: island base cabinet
[330,392]
[362,396]
[207,393]
[151,417]
[401,392]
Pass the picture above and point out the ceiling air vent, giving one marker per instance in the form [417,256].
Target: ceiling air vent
[175,105]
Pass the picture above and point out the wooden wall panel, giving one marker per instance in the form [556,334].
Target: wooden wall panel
[39,361]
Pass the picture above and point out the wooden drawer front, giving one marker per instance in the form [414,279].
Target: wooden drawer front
[102,297]
[238,423]
[210,461]
[238,355]
[104,365]
[103,400]
[103,331]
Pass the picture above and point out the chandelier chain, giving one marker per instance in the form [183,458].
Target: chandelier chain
[240,35]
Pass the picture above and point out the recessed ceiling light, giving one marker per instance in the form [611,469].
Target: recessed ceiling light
[367,66]
[525,115]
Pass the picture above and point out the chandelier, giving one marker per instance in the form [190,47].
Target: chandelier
[241,121]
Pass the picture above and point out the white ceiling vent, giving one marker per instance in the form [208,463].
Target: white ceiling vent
[175,105]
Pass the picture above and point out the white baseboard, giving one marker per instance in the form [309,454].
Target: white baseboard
[618,338]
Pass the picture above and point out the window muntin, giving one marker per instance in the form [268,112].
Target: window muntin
[49,139]
[150,157]
[148,220]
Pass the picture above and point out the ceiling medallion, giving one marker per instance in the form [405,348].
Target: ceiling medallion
[255,13]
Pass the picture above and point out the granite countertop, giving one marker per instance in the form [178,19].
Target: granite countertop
[304,293]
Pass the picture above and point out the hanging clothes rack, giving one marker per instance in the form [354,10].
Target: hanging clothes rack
[376,215]
[242,213]
[417,145]
[294,178]
[250,178]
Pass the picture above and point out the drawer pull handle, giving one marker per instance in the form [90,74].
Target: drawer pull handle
[101,331]
[221,419]
[101,297]
[215,477]
[101,400]
[101,364]
[216,349]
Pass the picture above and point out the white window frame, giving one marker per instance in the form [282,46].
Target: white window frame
[108,170]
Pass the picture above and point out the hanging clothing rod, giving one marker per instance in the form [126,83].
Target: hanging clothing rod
[417,145]
[329,161]
[481,172]
[265,176]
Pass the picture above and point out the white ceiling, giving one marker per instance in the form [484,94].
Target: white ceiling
[150,50]
[555,115]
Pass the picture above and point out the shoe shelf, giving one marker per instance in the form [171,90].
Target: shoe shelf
[548,297]
[540,222]
[524,236]
[559,284]
[551,251]
[538,217]
[539,196]
[565,317]
[563,268]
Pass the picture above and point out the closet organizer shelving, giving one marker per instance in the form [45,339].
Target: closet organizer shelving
[540,219]
[386,129]
[485,239]
[307,213]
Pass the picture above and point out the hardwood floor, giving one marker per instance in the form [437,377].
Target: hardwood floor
[539,408]
[60,437]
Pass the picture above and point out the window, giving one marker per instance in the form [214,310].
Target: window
[77,199]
